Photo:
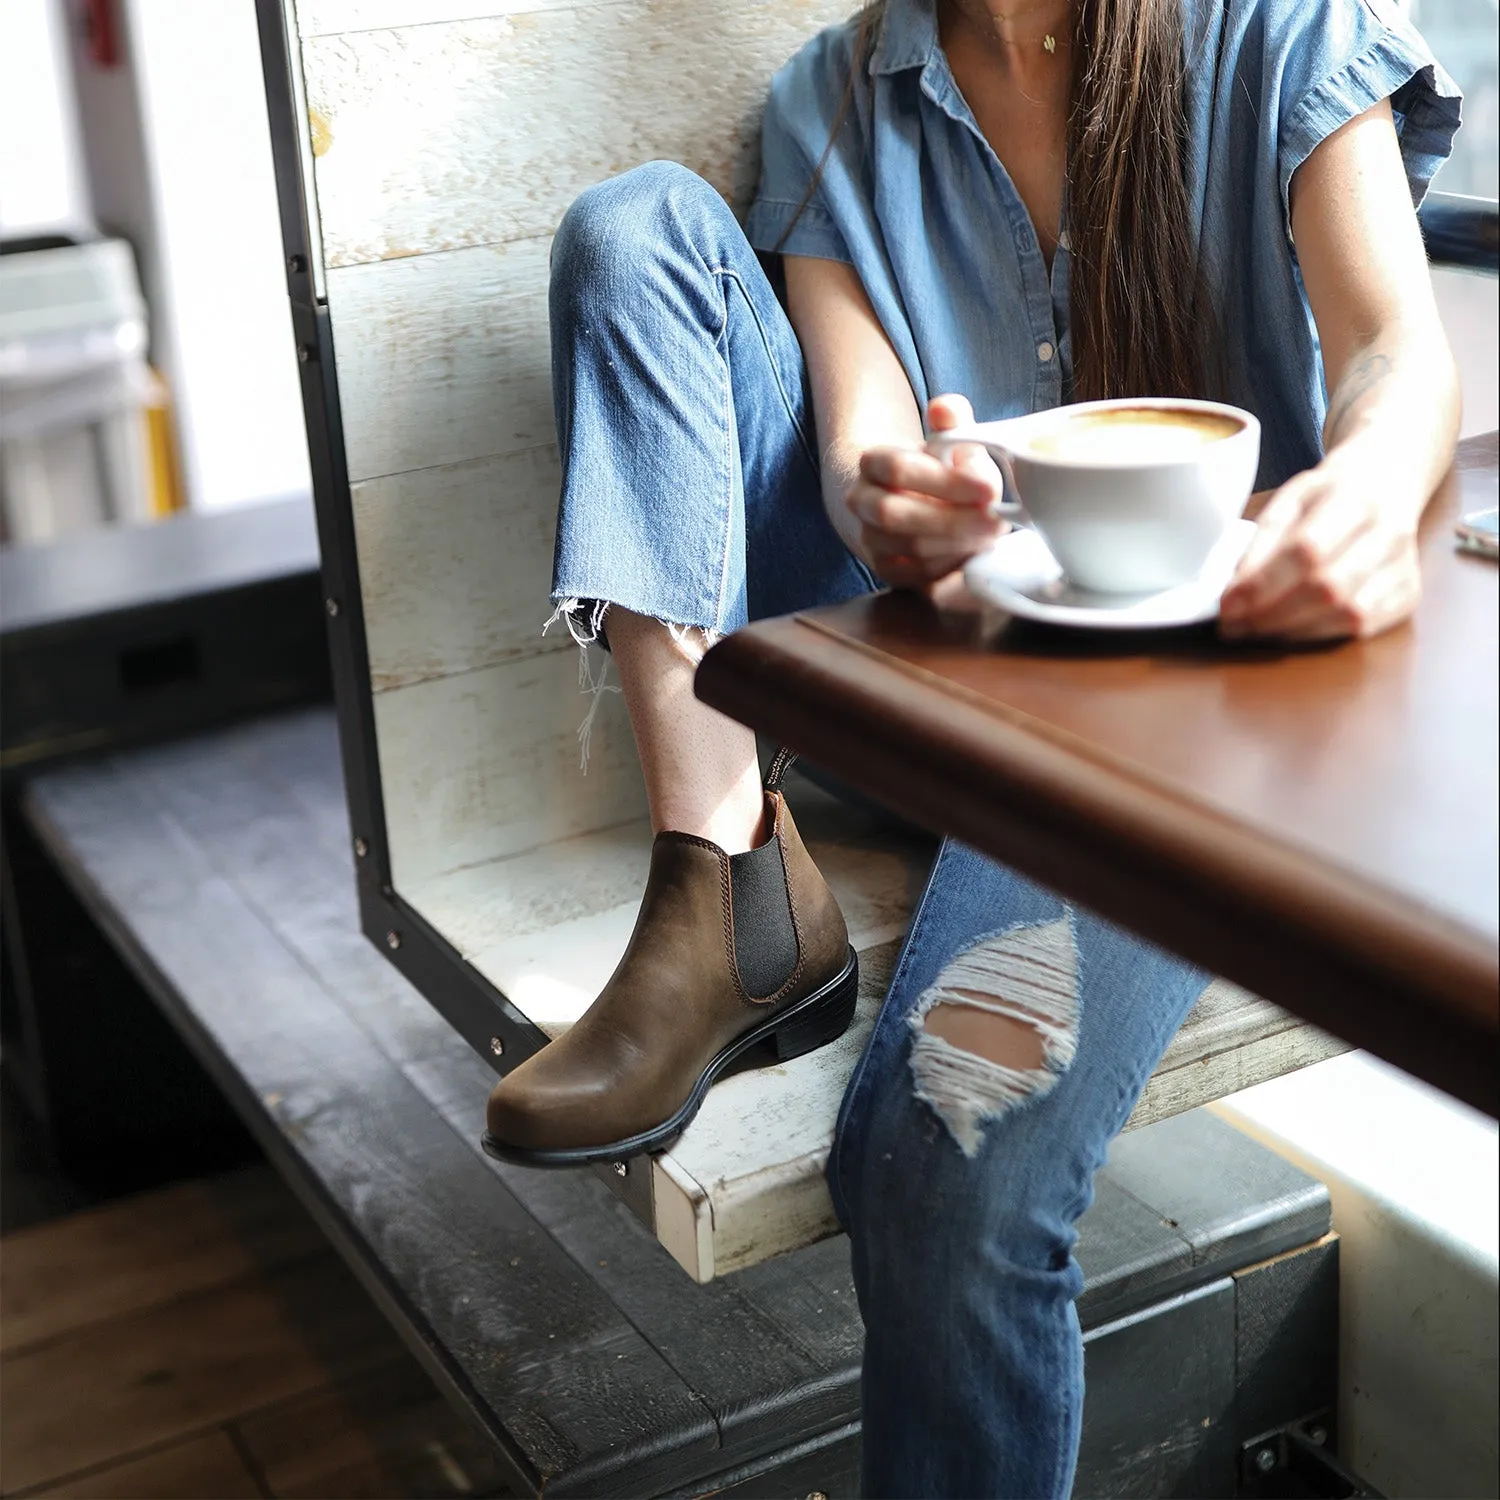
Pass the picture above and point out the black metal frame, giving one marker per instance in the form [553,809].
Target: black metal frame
[1300,1458]
[479,1012]
[1462,232]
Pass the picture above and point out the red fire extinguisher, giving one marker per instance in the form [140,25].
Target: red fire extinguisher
[101,31]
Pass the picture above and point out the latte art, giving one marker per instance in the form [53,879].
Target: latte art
[1132,435]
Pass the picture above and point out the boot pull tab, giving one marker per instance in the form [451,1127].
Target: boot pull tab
[780,765]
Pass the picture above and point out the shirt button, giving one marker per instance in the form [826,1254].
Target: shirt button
[1044,352]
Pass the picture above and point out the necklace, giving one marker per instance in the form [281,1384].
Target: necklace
[996,23]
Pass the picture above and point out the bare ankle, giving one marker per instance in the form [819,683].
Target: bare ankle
[733,832]
[700,768]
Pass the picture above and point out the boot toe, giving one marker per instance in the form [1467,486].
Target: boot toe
[530,1112]
[526,1117]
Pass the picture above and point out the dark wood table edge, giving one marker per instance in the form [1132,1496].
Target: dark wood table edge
[1403,982]
[1429,949]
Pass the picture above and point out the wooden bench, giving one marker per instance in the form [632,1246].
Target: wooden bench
[746,1180]
[426,150]
[220,868]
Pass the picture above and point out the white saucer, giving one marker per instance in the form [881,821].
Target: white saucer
[1023,578]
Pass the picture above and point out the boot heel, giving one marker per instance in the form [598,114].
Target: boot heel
[824,1021]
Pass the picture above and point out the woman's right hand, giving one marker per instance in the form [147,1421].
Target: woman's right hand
[921,518]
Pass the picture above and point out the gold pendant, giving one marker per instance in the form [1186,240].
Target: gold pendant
[1049,43]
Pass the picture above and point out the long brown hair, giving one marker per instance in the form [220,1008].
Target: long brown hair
[1137,307]
[1138,311]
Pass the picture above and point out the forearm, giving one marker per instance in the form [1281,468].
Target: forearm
[1335,551]
[840,468]
[884,419]
[1393,391]
[1393,415]
[871,413]
[911,518]
[861,396]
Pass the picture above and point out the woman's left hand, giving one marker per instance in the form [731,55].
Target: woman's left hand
[1331,558]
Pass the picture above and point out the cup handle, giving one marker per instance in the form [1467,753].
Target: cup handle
[942,444]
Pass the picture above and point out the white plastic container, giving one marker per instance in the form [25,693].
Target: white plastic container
[74,386]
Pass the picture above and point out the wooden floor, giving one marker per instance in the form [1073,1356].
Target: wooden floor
[203,1341]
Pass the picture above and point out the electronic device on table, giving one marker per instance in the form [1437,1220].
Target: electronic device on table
[1480,532]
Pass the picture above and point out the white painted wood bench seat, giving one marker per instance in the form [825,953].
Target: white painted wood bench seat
[446,139]
[745,1181]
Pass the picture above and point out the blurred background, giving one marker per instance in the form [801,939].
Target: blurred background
[1462,33]
[157,372]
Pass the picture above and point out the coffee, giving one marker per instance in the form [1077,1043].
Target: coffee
[1131,435]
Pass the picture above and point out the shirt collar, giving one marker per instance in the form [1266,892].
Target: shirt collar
[908,36]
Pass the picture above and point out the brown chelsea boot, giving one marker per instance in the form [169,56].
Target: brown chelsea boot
[729,950]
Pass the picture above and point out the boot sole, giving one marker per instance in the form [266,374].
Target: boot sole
[813,1022]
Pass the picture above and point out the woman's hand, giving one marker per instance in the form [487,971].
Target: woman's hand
[921,518]
[1336,550]
[1331,558]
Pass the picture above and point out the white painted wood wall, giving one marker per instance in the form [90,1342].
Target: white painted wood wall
[447,138]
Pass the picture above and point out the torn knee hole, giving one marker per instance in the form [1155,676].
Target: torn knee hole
[1007,1040]
[999,1025]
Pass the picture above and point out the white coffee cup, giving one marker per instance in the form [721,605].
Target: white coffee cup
[1129,495]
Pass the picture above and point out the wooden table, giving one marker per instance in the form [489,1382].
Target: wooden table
[1317,825]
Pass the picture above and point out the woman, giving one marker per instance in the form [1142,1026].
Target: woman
[1013,203]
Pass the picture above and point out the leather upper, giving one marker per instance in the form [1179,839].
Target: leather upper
[674,1000]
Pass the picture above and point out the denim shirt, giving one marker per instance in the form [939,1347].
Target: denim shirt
[912,196]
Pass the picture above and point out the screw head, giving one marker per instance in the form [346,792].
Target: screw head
[620,1168]
[361,848]
[1317,1435]
[296,263]
[1265,1460]
[332,606]
[497,1046]
[304,354]
[393,940]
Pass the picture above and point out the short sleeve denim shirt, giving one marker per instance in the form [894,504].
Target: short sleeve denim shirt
[911,195]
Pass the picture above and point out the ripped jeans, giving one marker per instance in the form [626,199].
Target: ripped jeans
[691,494]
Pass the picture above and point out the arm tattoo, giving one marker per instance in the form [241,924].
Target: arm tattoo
[1361,379]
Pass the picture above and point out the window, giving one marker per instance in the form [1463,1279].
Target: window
[1463,35]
